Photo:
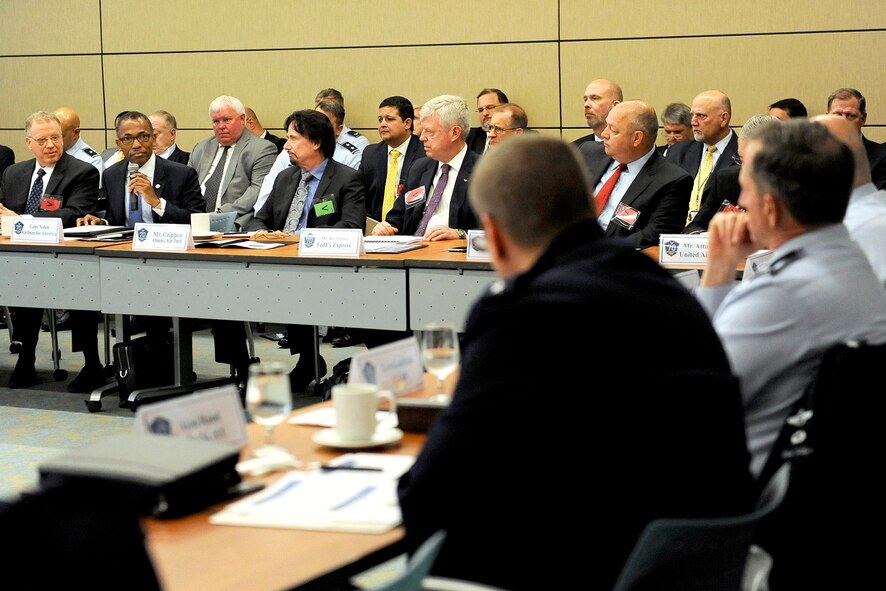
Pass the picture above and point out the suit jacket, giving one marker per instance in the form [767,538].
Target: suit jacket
[476,139]
[687,155]
[877,158]
[248,165]
[279,142]
[7,158]
[660,193]
[585,139]
[75,181]
[179,155]
[635,424]
[461,216]
[374,168]
[174,182]
[340,184]
[723,185]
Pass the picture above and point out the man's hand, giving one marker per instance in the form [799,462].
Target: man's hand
[441,233]
[91,220]
[6,211]
[384,229]
[729,243]
[141,185]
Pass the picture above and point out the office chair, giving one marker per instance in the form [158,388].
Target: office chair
[699,553]
[417,568]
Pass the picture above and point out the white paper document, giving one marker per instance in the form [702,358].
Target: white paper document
[356,500]
[325,417]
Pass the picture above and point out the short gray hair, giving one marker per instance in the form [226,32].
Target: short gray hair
[755,125]
[453,110]
[677,114]
[39,117]
[223,101]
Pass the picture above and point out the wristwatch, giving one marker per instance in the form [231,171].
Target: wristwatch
[461,234]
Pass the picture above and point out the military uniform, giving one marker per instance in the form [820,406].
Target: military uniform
[82,151]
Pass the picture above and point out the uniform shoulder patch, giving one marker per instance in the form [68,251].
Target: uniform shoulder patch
[90,151]
[353,133]
[350,147]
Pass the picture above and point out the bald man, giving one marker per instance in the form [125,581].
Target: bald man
[711,114]
[255,126]
[74,144]
[647,195]
[599,98]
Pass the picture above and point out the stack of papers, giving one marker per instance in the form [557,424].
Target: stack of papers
[391,244]
[362,499]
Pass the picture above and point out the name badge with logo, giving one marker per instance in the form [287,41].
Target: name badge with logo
[478,248]
[330,242]
[31,229]
[324,206]
[414,197]
[625,216]
[162,237]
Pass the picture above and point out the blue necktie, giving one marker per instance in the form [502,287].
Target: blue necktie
[33,205]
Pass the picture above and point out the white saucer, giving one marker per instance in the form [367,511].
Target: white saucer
[329,438]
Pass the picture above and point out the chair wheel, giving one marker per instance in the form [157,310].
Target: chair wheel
[15,347]
[60,375]
[93,405]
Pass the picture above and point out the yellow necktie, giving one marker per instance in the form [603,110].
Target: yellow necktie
[701,179]
[390,185]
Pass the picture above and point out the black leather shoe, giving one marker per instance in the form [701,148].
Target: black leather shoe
[303,374]
[89,378]
[23,377]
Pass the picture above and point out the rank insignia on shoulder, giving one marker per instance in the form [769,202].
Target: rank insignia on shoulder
[90,151]
[350,147]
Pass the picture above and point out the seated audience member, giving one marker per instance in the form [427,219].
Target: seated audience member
[850,104]
[416,120]
[52,184]
[317,192]
[638,194]
[487,100]
[7,158]
[789,108]
[819,290]
[507,121]
[676,121]
[653,424]
[347,134]
[168,192]
[345,152]
[724,186]
[165,128]
[255,126]
[74,144]
[599,98]
[434,202]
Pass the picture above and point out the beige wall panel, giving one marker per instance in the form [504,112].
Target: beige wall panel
[276,83]
[807,67]
[260,24]
[611,19]
[74,81]
[41,27]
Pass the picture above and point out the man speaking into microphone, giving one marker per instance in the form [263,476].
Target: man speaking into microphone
[139,188]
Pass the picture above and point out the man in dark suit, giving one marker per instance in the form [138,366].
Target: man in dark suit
[676,122]
[255,126]
[714,147]
[434,203]
[166,192]
[165,128]
[599,98]
[487,100]
[850,104]
[231,165]
[379,162]
[638,194]
[7,158]
[653,440]
[53,184]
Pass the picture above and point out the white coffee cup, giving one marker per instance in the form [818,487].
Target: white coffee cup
[8,222]
[200,224]
[355,411]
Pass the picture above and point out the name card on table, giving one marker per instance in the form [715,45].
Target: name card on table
[215,414]
[31,229]
[330,242]
[396,367]
[478,248]
[689,249]
[755,264]
[162,237]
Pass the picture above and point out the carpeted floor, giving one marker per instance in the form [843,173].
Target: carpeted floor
[46,420]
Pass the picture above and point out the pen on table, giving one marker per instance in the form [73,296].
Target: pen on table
[326,468]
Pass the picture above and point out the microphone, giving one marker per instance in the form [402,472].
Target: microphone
[131,168]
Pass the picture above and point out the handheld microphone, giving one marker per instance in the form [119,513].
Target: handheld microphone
[131,168]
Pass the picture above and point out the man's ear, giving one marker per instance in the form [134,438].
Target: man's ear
[494,239]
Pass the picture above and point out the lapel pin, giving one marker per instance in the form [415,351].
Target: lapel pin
[157,186]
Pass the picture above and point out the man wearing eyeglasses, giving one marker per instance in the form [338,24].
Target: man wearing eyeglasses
[52,184]
[851,105]
[508,120]
[487,101]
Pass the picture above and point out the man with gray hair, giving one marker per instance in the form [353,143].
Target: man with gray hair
[232,164]
[434,202]
[676,121]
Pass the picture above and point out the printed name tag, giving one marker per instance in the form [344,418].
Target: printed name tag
[214,414]
[415,196]
[31,229]
[756,263]
[625,216]
[324,207]
[162,237]
[330,242]
[478,248]
[396,367]
[683,248]
[50,203]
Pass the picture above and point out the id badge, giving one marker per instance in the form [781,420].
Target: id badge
[625,216]
[50,203]
[415,196]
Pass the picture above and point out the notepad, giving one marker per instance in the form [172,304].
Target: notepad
[238,243]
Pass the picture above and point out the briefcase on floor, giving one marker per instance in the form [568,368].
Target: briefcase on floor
[160,475]
[143,363]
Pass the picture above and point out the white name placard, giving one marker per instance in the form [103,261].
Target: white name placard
[755,264]
[330,242]
[478,248]
[683,248]
[31,229]
[396,367]
[215,414]
[162,237]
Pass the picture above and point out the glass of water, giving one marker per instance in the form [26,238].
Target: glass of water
[268,402]
[439,349]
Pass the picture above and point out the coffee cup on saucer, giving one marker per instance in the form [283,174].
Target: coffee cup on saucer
[355,411]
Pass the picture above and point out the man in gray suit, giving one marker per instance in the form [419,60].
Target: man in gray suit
[231,165]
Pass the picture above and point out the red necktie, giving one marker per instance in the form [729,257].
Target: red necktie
[602,196]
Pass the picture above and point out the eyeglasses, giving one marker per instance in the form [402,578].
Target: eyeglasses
[41,141]
[127,140]
[500,130]
[487,108]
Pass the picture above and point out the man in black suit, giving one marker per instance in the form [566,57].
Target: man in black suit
[648,432]
[487,100]
[255,126]
[53,184]
[648,195]
[395,129]
[715,143]
[599,98]
[165,128]
[7,158]
[434,203]
[850,104]
[164,192]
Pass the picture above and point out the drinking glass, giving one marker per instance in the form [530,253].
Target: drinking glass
[439,344]
[268,402]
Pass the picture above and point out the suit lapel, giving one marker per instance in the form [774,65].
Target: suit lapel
[58,174]
[693,153]
[460,190]
[159,176]
[641,181]
[288,189]
[418,211]
[232,162]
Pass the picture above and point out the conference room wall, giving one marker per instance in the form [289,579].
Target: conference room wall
[99,58]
